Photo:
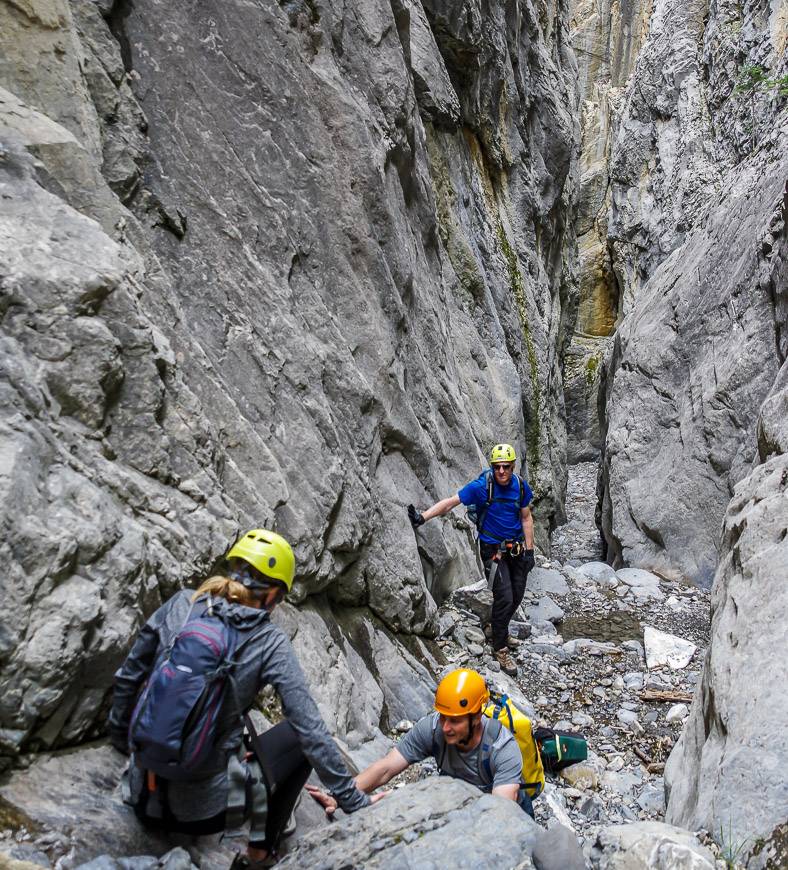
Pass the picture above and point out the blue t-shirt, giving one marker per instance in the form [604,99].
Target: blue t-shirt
[502,521]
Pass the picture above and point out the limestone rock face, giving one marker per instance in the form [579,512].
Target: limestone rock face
[693,223]
[583,369]
[607,37]
[649,846]
[691,365]
[683,123]
[727,771]
[439,822]
[294,266]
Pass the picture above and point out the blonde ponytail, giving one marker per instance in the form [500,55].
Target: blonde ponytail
[232,590]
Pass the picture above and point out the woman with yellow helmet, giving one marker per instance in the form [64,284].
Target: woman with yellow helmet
[232,609]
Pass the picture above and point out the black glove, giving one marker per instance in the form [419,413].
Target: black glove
[120,741]
[528,558]
[416,519]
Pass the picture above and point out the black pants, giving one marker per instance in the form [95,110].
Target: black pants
[285,772]
[508,590]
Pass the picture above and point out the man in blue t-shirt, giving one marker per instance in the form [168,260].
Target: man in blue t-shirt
[506,539]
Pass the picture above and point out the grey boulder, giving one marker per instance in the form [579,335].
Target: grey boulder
[547,581]
[438,822]
[557,848]
[475,597]
[737,718]
[546,609]
[649,846]
[175,859]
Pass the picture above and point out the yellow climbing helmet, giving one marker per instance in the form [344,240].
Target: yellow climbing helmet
[268,552]
[502,453]
[461,692]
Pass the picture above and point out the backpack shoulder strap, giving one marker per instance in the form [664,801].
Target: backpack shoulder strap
[492,731]
[438,743]
[521,488]
[488,476]
[501,707]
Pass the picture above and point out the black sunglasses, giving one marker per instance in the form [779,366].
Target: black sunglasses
[506,467]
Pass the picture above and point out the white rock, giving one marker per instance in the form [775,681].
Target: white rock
[666,649]
[597,571]
[651,846]
[545,581]
[626,717]
[547,609]
[616,763]
[552,799]
[677,713]
[637,577]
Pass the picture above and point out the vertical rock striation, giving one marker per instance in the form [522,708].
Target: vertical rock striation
[690,367]
[607,37]
[294,264]
[727,772]
[697,175]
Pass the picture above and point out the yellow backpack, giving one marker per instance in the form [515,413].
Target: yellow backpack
[502,709]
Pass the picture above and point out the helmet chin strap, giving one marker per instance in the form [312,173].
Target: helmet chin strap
[471,733]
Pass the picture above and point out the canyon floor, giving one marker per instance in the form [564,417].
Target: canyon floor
[588,661]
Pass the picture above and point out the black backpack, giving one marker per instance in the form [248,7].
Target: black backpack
[478,515]
[174,729]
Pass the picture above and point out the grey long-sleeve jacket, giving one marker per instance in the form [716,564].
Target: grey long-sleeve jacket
[265,659]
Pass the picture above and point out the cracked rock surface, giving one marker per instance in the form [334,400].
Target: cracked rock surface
[271,265]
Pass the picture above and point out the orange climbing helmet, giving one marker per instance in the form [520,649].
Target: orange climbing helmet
[461,692]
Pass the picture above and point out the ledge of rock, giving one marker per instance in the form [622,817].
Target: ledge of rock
[649,846]
[439,822]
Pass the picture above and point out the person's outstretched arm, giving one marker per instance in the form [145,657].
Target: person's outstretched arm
[439,509]
[378,773]
[281,669]
[381,771]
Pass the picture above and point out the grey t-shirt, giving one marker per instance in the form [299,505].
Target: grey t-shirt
[425,739]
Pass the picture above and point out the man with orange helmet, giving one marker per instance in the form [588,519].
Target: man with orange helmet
[464,742]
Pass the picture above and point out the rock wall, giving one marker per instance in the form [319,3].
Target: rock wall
[697,175]
[292,264]
[682,233]
[727,773]
[606,37]
[690,367]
